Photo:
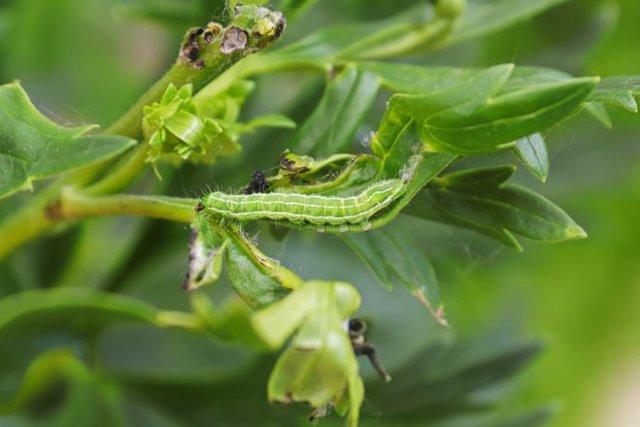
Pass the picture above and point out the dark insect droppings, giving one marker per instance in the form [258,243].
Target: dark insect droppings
[258,184]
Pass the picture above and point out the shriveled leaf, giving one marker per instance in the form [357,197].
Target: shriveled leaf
[532,152]
[619,91]
[32,147]
[206,255]
[394,258]
[343,107]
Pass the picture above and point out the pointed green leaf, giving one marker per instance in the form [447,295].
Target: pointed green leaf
[394,258]
[440,382]
[343,107]
[473,111]
[532,152]
[618,91]
[428,167]
[426,206]
[599,111]
[465,98]
[495,210]
[504,118]
[33,147]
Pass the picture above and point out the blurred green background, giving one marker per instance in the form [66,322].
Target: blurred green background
[86,61]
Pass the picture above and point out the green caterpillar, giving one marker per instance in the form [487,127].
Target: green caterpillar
[331,211]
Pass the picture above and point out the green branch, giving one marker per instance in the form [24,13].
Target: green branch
[73,204]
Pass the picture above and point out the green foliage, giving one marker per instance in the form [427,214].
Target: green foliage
[32,147]
[438,123]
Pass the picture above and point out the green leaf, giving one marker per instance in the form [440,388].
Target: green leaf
[409,78]
[599,112]
[33,147]
[532,152]
[343,107]
[467,96]
[480,200]
[483,17]
[427,168]
[618,91]
[257,279]
[440,382]
[459,127]
[393,257]
[426,206]
[415,29]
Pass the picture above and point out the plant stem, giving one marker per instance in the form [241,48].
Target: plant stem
[73,204]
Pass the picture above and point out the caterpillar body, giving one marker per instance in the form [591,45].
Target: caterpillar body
[331,211]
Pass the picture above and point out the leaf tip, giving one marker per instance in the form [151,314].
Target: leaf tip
[437,313]
[575,232]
